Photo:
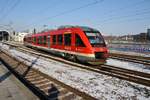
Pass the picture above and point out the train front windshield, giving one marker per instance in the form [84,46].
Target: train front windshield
[95,39]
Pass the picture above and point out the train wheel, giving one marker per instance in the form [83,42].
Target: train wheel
[65,55]
[74,58]
[70,57]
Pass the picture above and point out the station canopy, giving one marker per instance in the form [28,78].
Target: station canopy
[4,35]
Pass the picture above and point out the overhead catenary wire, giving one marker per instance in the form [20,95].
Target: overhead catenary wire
[129,6]
[110,15]
[10,10]
[66,12]
[125,16]
[4,6]
[48,7]
[72,10]
[95,2]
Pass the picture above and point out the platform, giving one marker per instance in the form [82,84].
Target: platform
[11,88]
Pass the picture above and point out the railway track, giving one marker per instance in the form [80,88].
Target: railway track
[44,86]
[126,74]
[124,57]
[131,58]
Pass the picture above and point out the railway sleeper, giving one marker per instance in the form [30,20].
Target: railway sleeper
[31,76]
[20,71]
[31,72]
[39,81]
[30,80]
[43,85]
[35,79]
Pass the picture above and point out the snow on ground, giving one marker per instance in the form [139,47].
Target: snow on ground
[98,85]
[129,65]
[6,47]
[130,53]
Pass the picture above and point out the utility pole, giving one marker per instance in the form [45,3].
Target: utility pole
[34,31]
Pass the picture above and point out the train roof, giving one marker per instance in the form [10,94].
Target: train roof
[84,28]
[65,27]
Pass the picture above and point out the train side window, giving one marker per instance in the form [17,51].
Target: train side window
[40,40]
[54,39]
[79,41]
[34,40]
[44,40]
[67,39]
[60,39]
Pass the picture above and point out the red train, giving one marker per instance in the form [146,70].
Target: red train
[74,42]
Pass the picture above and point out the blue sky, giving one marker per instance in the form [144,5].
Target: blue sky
[110,17]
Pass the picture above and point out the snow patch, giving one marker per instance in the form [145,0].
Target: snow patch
[98,85]
[129,65]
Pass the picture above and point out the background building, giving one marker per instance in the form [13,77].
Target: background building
[18,37]
[142,37]
[4,36]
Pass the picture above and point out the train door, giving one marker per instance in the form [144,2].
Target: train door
[79,45]
[67,41]
[68,46]
[73,42]
[48,41]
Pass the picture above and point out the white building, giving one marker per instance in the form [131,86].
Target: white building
[18,37]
